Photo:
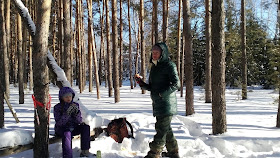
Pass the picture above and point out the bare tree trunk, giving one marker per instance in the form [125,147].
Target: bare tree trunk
[54,29]
[115,52]
[31,5]
[41,86]
[121,46]
[101,54]
[60,34]
[20,61]
[67,38]
[155,22]
[182,66]
[218,68]
[278,113]
[3,48]
[92,49]
[71,46]
[243,47]
[179,40]
[165,20]
[143,58]
[137,49]
[6,57]
[89,5]
[15,59]
[24,52]
[30,64]
[208,89]
[130,46]
[188,58]
[109,60]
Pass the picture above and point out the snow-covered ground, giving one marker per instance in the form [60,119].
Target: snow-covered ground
[251,130]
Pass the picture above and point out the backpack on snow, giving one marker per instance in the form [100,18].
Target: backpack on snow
[117,129]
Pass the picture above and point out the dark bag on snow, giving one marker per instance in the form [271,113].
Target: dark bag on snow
[117,129]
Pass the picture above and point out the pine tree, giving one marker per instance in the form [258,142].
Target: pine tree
[20,61]
[109,60]
[142,43]
[208,88]
[218,68]
[114,50]
[188,58]
[41,88]
[243,47]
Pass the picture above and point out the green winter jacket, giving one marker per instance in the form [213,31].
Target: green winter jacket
[163,83]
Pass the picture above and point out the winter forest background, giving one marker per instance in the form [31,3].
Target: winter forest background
[102,44]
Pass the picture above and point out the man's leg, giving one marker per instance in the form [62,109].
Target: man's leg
[171,142]
[67,144]
[162,128]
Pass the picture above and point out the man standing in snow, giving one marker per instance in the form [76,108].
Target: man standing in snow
[163,83]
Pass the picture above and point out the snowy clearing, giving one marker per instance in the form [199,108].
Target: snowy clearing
[250,124]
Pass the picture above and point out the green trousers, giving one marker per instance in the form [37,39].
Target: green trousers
[164,136]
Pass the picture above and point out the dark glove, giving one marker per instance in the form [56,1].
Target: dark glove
[72,110]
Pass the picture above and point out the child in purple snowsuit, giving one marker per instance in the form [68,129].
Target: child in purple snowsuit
[68,123]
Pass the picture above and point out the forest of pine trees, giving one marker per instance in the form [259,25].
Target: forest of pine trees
[103,42]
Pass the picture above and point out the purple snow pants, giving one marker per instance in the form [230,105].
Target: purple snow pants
[84,130]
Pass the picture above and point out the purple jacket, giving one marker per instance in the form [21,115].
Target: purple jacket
[64,122]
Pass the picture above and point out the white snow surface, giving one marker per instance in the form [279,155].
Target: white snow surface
[251,130]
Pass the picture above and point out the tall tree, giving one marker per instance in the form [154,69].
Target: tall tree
[243,48]
[121,46]
[218,68]
[115,52]
[188,58]
[179,40]
[208,89]
[182,65]
[155,23]
[8,37]
[24,53]
[165,20]
[92,49]
[67,39]
[31,8]
[142,43]
[109,59]
[101,54]
[20,60]
[130,46]
[3,47]
[41,79]
[278,113]
[90,44]
[60,34]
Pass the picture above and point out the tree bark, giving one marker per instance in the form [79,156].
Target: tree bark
[243,47]
[41,79]
[67,38]
[24,52]
[130,46]
[6,56]
[92,50]
[165,20]
[179,40]
[208,88]
[115,52]
[109,60]
[3,47]
[121,46]
[101,54]
[182,66]
[218,68]
[143,57]
[60,34]
[20,61]
[31,3]
[188,58]
[155,22]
